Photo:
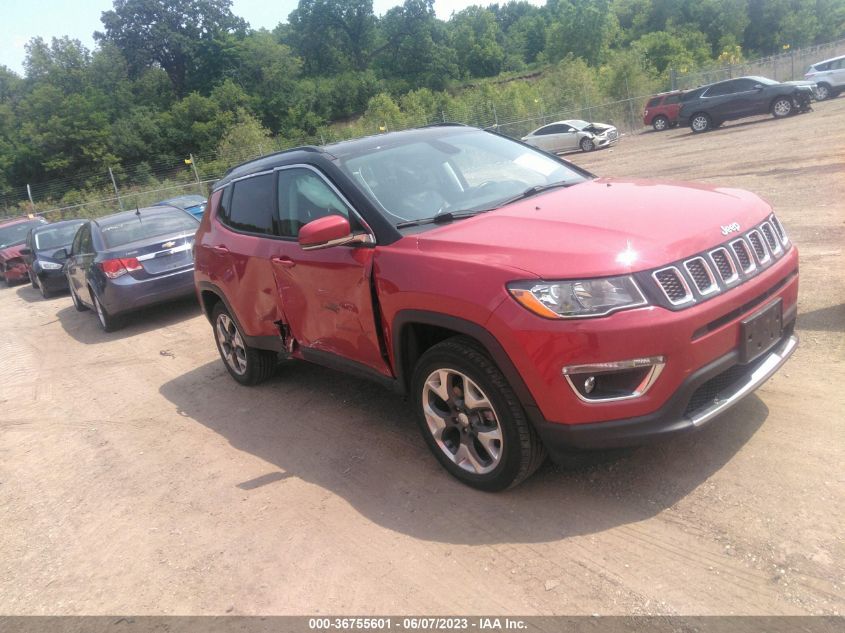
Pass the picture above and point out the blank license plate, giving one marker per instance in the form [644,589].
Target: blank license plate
[761,331]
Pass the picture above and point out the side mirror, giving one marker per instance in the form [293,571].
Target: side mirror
[332,230]
[60,254]
[26,251]
[758,87]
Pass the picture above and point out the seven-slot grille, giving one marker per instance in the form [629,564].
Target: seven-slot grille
[724,266]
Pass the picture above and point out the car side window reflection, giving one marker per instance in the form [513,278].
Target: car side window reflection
[303,197]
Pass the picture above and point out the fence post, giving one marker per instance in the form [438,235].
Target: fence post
[29,193]
[673,78]
[196,173]
[116,192]
[495,116]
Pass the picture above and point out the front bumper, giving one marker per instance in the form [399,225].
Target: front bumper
[706,394]
[52,280]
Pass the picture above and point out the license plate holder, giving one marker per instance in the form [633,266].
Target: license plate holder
[760,331]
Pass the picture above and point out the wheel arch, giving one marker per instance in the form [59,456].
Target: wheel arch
[210,295]
[415,331]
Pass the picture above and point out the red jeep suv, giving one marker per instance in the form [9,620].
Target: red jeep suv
[661,111]
[525,306]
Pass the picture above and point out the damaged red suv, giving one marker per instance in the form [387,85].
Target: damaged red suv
[525,306]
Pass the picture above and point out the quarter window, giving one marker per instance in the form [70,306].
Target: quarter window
[303,197]
[252,206]
[653,102]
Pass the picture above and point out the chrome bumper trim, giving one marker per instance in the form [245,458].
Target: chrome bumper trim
[726,399]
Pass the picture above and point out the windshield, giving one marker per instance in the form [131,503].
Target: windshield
[764,80]
[16,234]
[466,171]
[54,238]
[145,226]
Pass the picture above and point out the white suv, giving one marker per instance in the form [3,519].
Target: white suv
[829,76]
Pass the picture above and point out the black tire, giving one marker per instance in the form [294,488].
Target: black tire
[250,367]
[80,307]
[782,107]
[700,122]
[661,123]
[824,92]
[587,145]
[32,279]
[520,450]
[107,321]
[45,292]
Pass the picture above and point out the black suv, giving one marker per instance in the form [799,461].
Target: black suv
[709,106]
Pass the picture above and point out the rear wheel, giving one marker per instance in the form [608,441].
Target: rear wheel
[700,123]
[471,419]
[247,365]
[823,92]
[660,123]
[108,322]
[587,145]
[781,107]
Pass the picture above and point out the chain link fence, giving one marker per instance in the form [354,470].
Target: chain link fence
[788,66]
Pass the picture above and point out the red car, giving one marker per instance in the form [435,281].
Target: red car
[661,111]
[525,306]
[12,238]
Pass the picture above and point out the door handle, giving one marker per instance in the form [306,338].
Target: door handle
[287,262]
[221,250]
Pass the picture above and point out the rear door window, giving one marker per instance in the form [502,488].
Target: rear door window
[672,99]
[726,88]
[253,205]
[653,102]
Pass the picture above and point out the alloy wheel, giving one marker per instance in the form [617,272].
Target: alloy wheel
[100,312]
[462,421]
[782,107]
[700,123]
[231,343]
[660,124]
[822,92]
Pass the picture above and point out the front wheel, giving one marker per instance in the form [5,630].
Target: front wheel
[701,123]
[660,123]
[247,365]
[45,292]
[781,107]
[587,145]
[823,92]
[32,279]
[471,419]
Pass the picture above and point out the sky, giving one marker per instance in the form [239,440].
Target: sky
[21,20]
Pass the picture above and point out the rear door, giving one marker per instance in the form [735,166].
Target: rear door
[326,293]
[837,73]
[81,258]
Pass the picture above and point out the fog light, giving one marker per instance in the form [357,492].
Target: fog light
[617,380]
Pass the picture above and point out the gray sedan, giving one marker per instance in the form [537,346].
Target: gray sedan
[129,260]
[573,134]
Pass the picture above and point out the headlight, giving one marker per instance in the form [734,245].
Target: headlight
[578,299]
[50,265]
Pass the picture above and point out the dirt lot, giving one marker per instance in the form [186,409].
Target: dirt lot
[137,477]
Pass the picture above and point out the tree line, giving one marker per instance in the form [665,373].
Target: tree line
[173,77]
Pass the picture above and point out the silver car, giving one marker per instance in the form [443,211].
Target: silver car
[564,136]
[829,76]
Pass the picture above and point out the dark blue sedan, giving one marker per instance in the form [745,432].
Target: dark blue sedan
[192,203]
[44,253]
[129,260]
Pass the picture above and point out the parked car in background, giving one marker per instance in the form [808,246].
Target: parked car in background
[829,76]
[129,260]
[192,203]
[12,239]
[661,111]
[709,106]
[565,136]
[45,252]
[524,306]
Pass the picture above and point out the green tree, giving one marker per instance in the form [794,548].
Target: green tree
[475,37]
[174,35]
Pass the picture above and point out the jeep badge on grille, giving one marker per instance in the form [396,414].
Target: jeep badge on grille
[727,229]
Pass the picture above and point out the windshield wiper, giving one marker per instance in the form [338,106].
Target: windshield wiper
[533,191]
[440,218]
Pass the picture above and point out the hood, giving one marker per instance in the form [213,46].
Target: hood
[11,251]
[599,228]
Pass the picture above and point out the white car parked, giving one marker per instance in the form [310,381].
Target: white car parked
[563,136]
[829,76]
